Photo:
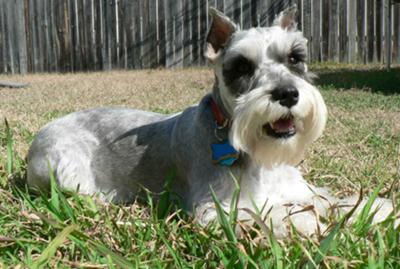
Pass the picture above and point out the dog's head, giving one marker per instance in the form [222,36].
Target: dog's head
[263,84]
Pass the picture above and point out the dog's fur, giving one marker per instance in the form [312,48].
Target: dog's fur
[116,152]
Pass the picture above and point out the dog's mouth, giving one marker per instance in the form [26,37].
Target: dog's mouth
[282,128]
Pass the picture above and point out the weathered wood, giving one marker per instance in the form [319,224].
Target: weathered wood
[316,31]
[378,31]
[343,35]
[145,33]
[370,30]
[302,8]
[305,19]
[396,34]
[263,12]
[236,14]
[74,35]
[152,34]
[21,37]
[361,31]
[333,54]
[352,26]
[229,7]
[3,45]
[325,30]
[169,35]
[53,37]
[10,36]
[187,20]
[246,14]
[195,32]
[254,6]
[388,34]
[109,33]
[220,5]
[161,33]
[202,29]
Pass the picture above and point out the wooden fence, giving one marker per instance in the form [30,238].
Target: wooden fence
[77,35]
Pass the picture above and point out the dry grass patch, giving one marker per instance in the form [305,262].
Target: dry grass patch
[360,147]
[52,95]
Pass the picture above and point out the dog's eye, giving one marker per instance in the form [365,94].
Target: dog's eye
[240,66]
[244,68]
[292,59]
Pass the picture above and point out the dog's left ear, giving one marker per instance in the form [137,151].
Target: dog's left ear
[220,32]
[287,18]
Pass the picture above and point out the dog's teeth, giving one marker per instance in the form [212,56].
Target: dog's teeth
[283,125]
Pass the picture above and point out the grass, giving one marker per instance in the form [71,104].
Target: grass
[360,148]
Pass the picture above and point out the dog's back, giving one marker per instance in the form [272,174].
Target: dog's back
[87,148]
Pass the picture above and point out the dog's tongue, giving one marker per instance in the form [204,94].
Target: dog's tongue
[283,125]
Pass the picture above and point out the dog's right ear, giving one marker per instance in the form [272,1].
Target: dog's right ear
[220,31]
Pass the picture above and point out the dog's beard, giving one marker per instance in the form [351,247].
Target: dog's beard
[256,116]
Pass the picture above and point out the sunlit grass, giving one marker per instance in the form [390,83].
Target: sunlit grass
[59,229]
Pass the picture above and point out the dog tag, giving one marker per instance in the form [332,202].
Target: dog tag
[224,154]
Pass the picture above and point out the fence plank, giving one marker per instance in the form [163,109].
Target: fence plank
[3,60]
[187,20]
[246,14]
[72,35]
[333,31]
[169,34]
[53,37]
[204,17]
[325,30]
[263,12]
[370,31]
[145,21]
[195,32]
[343,45]
[361,31]
[379,31]
[316,30]
[396,34]
[306,23]
[352,26]
[12,53]
[21,37]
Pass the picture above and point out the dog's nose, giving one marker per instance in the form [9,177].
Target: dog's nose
[287,96]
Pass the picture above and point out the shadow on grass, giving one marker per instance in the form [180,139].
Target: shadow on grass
[375,80]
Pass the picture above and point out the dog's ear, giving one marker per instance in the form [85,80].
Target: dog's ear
[220,31]
[287,18]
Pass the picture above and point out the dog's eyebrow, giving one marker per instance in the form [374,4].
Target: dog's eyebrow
[297,50]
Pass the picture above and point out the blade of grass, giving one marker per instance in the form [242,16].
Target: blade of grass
[164,203]
[54,199]
[276,251]
[120,261]
[233,213]
[327,242]
[171,250]
[362,222]
[10,151]
[223,220]
[52,247]
[381,249]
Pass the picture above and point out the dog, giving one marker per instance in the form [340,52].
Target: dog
[251,130]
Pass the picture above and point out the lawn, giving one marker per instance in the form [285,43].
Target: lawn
[359,149]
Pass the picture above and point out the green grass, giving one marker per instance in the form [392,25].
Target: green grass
[361,147]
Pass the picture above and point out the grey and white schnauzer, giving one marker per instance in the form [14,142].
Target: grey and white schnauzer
[262,114]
